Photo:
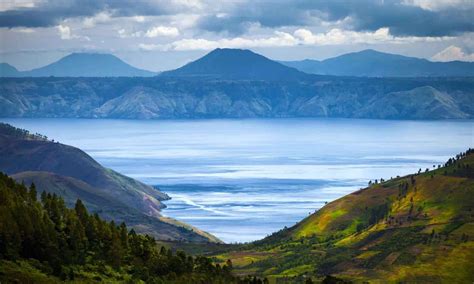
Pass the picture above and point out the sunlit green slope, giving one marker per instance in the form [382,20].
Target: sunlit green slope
[414,228]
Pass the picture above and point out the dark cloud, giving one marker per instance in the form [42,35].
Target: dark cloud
[50,13]
[365,15]
[235,17]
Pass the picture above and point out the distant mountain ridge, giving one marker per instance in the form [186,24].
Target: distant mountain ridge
[372,63]
[184,98]
[81,65]
[236,64]
[243,64]
[7,70]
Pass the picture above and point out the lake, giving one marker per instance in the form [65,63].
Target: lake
[244,179]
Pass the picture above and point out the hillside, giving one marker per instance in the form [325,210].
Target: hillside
[72,174]
[84,65]
[416,228]
[372,63]
[177,98]
[43,241]
[6,70]
[236,64]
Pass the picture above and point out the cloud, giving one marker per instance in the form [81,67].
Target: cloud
[102,17]
[64,32]
[402,17]
[299,37]
[162,31]
[453,53]
[124,34]
[52,12]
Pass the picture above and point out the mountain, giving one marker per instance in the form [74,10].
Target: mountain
[82,65]
[6,70]
[372,63]
[182,98]
[413,229]
[418,103]
[236,64]
[71,173]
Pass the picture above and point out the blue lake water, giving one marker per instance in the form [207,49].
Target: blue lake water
[243,179]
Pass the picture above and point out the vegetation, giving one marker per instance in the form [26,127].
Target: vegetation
[43,241]
[18,133]
[72,174]
[417,228]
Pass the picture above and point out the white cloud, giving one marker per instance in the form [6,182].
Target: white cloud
[285,39]
[139,19]
[6,5]
[338,36]
[124,34]
[452,53]
[101,17]
[162,31]
[436,5]
[64,32]
[24,30]
[149,47]
[279,39]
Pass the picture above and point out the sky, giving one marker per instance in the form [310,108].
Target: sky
[161,35]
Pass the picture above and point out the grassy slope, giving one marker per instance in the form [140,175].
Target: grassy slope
[383,232]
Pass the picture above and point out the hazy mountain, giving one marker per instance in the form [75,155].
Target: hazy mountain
[412,229]
[84,65]
[236,64]
[371,63]
[6,70]
[73,174]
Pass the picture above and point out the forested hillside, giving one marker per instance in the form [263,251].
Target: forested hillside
[42,241]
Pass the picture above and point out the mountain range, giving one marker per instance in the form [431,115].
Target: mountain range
[182,98]
[238,64]
[71,173]
[235,83]
[371,63]
[80,65]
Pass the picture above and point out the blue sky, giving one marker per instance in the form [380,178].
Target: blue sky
[160,35]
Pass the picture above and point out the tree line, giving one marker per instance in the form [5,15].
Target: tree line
[69,241]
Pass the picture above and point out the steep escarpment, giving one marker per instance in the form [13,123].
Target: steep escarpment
[166,97]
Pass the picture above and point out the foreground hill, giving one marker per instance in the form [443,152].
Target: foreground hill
[42,241]
[171,97]
[72,174]
[236,64]
[411,229]
[84,65]
[372,63]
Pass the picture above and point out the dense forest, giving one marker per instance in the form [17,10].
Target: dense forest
[43,241]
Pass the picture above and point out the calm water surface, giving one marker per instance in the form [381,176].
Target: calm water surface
[243,179]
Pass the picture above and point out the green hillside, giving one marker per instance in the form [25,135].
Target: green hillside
[72,174]
[417,228]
